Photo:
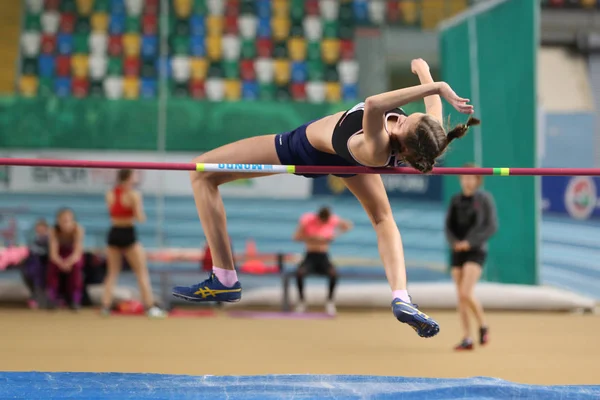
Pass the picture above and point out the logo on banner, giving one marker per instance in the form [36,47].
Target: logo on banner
[580,197]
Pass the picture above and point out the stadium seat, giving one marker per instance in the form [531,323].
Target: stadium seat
[247,7]
[80,87]
[216,7]
[313,28]
[115,66]
[231,47]
[330,50]
[315,92]
[131,66]
[62,87]
[33,22]
[233,89]
[333,92]
[131,44]
[64,43]
[98,43]
[264,28]
[29,66]
[215,70]
[96,90]
[264,70]
[30,43]
[299,72]
[377,12]
[231,25]
[115,45]
[248,25]
[148,88]
[117,7]
[197,25]
[265,47]
[63,66]
[248,48]
[348,71]
[313,51]
[81,43]
[28,85]
[329,9]
[48,44]
[197,89]
[102,6]
[198,46]
[347,49]
[361,11]
[84,7]
[589,3]
[215,89]
[214,50]
[409,13]
[282,93]
[199,68]
[316,70]
[250,90]
[131,87]
[281,70]
[67,23]
[297,49]
[331,73]
[98,66]
[214,25]
[150,24]
[263,9]
[45,87]
[331,29]
[311,7]
[149,46]
[350,92]
[180,45]
[298,90]
[179,89]
[99,22]
[297,29]
[133,24]
[181,68]
[68,6]
[280,8]
[46,65]
[53,5]
[134,7]
[181,27]
[280,28]
[151,7]
[50,22]
[116,25]
[79,66]
[267,91]
[297,10]
[392,12]
[149,69]
[34,6]
[232,8]
[247,71]
[231,69]
[280,49]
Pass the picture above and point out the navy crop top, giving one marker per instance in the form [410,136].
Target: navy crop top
[350,124]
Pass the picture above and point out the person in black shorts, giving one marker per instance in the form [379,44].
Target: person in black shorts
[470,222]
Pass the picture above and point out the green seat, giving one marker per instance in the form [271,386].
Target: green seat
[33,23]
[231,69]
[83,25]
[280,50]
[115,66]
[215,70]
[247,7]
[180,45]
[331,73]
[331,29]
[29,66]
[316,70]
[248,48]
[346,32]
[346,14]
[282,93]
[297,29]
[102,5]
[267,91]
[297,10]
[149,69]
[133,25]
[81,43]
[313,51]
[199,7]
[182,27]
[179,89]
[68,6]
[96,89]
[46,87]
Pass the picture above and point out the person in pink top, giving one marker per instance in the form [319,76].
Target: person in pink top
[317,231]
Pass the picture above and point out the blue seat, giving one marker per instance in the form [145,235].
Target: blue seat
[361,11]
[117,7]
[299,72]
[117,24]
[263,9]
[149,46]
[250,90]
[197,46]
[46,66]
[164,67]
[62,87]
[148,88]
[264,28]
[197,25]
[64,43]
[350,92]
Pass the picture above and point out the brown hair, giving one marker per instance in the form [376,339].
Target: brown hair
[124,174]
[324,214]
[429,141]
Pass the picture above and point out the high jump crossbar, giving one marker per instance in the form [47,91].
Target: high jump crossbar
[293,169]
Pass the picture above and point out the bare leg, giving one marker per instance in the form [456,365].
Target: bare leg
[255,150]
[113,268]
[471,274]
[136,257]
[463,304]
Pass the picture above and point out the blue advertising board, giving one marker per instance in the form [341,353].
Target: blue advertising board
[417,187]
[577,197]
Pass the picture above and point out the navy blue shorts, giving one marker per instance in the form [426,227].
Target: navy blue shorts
[293,148]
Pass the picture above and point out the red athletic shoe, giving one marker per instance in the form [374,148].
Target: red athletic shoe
[466,344]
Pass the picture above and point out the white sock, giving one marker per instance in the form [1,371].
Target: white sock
[402,295]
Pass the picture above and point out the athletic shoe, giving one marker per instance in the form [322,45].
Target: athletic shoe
[408,313]
[330,308]
[209,290]
[301,307]
[156,313]
[484,335]
[466,344]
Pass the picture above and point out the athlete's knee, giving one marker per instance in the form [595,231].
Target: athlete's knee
[201,178]
[464,295]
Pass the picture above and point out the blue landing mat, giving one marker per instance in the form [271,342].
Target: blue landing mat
[39,385]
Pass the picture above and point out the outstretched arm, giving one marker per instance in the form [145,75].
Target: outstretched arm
[433,104]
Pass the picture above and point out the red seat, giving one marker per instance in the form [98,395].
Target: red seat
[48,44]
[80,87]
[265,47]
[311,7]
[115,45]
[298,91]
[149,24]
[63,66]
[247,70]
[131,66]
[152,7]
[231,24]
[67,22]
[197,90]
[393,12]
[52,5]
[347,49]
[232,8]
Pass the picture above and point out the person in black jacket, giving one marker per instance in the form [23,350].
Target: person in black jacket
[470,222]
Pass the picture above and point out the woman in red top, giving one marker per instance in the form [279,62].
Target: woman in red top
[125,206]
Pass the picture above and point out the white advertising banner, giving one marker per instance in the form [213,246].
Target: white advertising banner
[170,183]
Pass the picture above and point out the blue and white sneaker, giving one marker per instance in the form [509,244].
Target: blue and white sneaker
[210,290]
[408,313]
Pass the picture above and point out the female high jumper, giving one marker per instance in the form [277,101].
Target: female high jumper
[376,133]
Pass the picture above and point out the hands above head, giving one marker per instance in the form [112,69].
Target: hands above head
[455,100]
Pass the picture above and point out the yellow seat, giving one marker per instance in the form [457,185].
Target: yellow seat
[333,92]
[214,51]
[233,89]
[588,3]
[79,65]
[214,25]
[330,50]
[131,44]
[409,12]
[183,8]
[297,49]
[84,7]
[100,22]
[281,28]
[198,67]
[280,8]
[28,85]
[281,70]
[131,87]
[432,13]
